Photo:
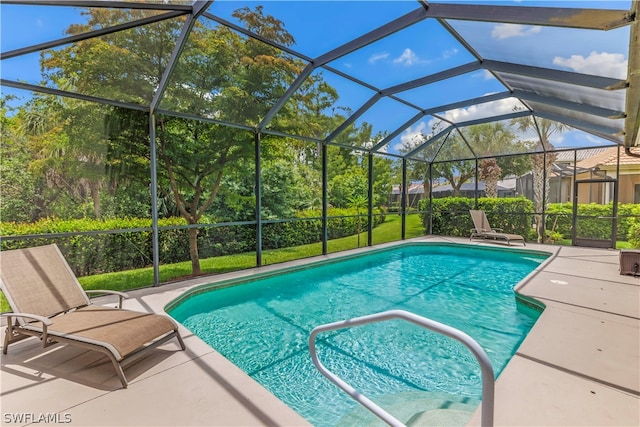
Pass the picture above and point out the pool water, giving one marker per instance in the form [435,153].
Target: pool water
[263,326]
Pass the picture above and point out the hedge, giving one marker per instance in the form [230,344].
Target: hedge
[634,233]
[560,217]
[100,250]
[515,215]
[451,215]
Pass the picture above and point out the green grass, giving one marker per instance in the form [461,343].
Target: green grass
[619,244]
[390,230]
[623,245]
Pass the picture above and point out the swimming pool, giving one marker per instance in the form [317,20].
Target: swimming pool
[263,326]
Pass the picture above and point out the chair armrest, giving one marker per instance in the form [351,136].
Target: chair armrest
[121,295]
[45,320]
[45,323]
[499,230]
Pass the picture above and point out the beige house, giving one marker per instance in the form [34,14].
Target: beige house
[597,165]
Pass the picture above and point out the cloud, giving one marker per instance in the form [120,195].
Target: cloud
[449,53]
[458,115]
[598,63]
[377,57]
[506,31]
[411,134]
[557,139]
[408,57]
[478,111]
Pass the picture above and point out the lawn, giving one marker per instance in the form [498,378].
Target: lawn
[388,231]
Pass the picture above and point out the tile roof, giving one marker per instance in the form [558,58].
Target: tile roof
[608,158]
[567,156]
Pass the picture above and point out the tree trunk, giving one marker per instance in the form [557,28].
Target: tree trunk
[193,251]
[537,161]
[540,184]
[456,189]
[490,173]
[95,197]
[426,188]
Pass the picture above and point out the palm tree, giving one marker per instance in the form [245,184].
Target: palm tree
[490,173]
[541,163]
[486,140]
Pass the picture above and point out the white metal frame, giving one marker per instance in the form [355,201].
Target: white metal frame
[488,385]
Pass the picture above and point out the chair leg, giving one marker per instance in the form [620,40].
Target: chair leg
[120,372]
[11,336]
[180,340]
[7,334]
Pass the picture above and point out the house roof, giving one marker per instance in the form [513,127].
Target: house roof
[507,184]
[608,158]
[414,188]
[503,185]
[568,156]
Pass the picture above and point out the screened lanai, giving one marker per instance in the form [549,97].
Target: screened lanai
[163,133]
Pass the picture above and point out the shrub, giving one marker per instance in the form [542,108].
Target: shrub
[634,233]
[451,215]
[95,247]
[560,219]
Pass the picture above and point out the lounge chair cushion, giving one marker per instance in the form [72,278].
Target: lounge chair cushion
[483,230]
[39,281]
[501,236]
[121,331]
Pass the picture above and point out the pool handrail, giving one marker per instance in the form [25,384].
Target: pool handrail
[488,384]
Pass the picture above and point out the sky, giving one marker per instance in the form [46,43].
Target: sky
[422,49]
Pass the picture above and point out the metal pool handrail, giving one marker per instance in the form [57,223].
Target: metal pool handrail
[470,343]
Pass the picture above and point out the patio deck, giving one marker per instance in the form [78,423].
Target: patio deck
[580,365]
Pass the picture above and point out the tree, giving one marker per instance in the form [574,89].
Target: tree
[70,144]
[127,165]
[444,155]
[357,202]
[452,156]
[236,80]
[486,140]
[417,170]
[124,66]
[350,184]
[19,186]
[541,163]
[454,170]
[45,123]
[220,74]
[490,139]
[490,172]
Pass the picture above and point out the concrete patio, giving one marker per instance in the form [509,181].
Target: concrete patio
[580,365]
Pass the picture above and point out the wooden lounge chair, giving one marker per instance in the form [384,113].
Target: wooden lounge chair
[49,303]
[484,231]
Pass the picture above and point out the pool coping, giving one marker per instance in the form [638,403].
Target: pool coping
[557,376]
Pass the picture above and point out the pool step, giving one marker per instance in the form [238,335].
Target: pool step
[417,409]
[439,418]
